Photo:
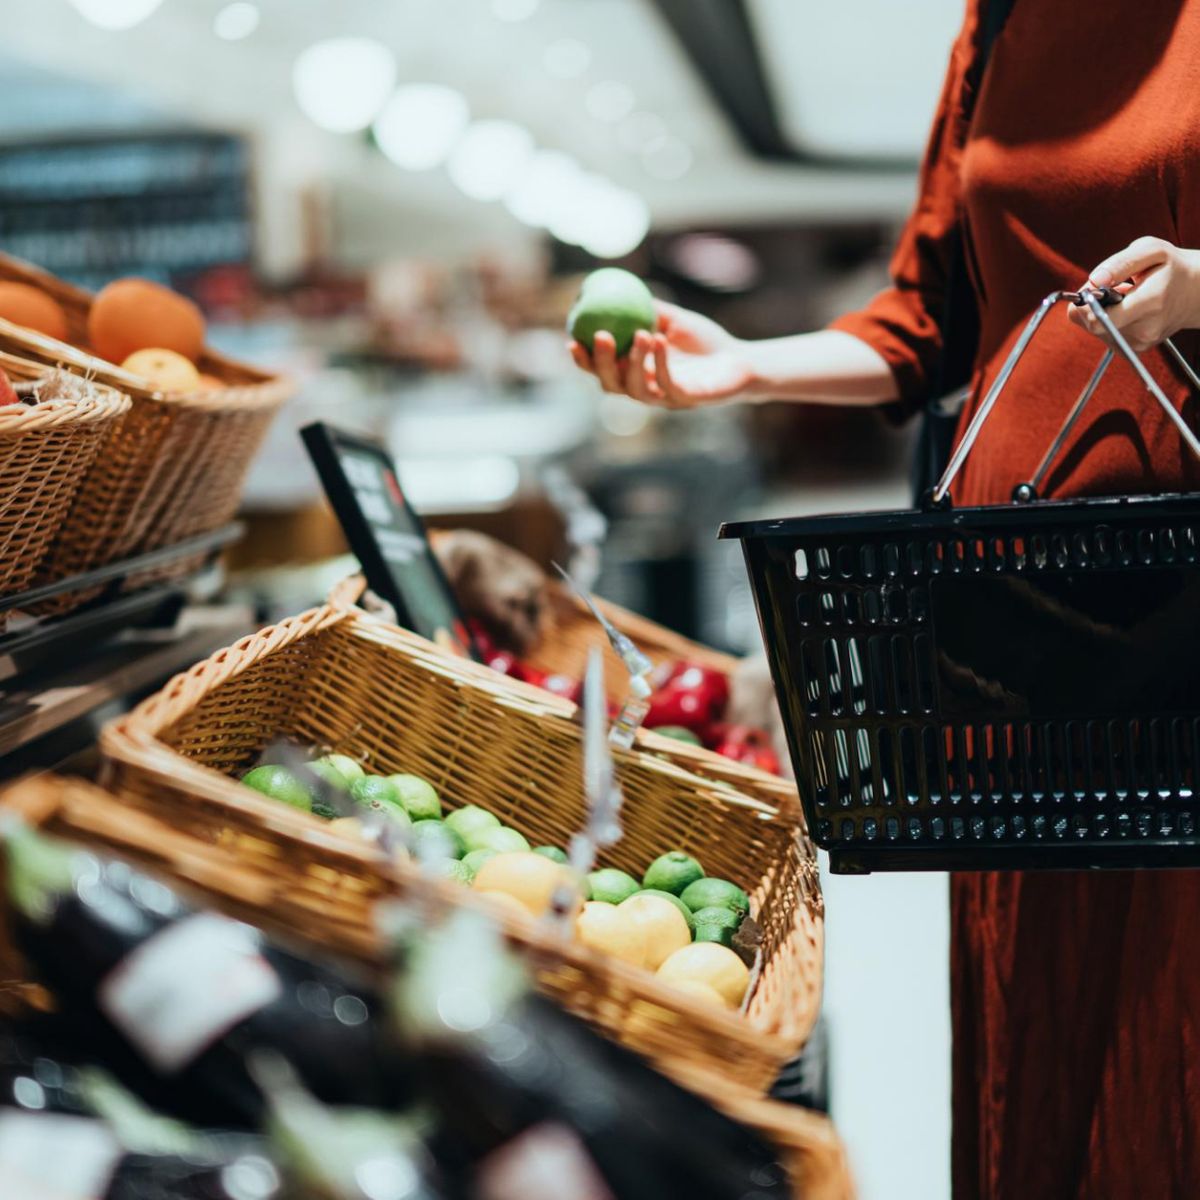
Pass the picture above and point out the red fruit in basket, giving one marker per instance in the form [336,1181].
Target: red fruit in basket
[694,697]
[23,304]
[746,745]
[135,314]
[8,394]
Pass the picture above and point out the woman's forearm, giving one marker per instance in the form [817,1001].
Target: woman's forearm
[825,367]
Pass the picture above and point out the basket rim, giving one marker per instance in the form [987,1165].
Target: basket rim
[54,414]
[132,740]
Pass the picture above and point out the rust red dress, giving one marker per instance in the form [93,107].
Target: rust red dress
[1076,997]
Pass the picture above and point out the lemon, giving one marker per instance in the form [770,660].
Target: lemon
[526,876]
[702,991]
[605,927]
[665,929]
[672,872]
[503,902]
[683,910]
[712,964]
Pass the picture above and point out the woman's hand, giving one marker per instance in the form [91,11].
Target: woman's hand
[688,362]
[1161,284]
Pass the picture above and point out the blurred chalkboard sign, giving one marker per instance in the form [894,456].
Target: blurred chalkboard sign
[162,205]
[387,536]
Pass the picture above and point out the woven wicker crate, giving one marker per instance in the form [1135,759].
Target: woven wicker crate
[173,468]
[257,888]
[340,680]
[45,452]
[574,633]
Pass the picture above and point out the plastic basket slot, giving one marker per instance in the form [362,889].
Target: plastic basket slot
[851,609]
[1017,553]
[1060,551]
[800,565]
[833,677]
[870,828]
[858,690]
[824,563]
[895,603]
[1102,545]
[806,608]
[996,555]
[1079,550]
[872,606]
[930,772]
[1168,546]
[1025,762]
[935,558]
[957,554]
[923,663]
[903,669]
[868,561]
[915,558]
[878,791]
[937,828]
[812,677]
[866,766]
[846,830]
[912,791]
[1124,547]
[914,828]
[978,554]
[918,605]
[893,775]
[818,775]
[828,607]
[891,828]
[958,829]
[877,674]
[1187,538]
[891,559]
[845,562]
[1038,553]
[1145,546]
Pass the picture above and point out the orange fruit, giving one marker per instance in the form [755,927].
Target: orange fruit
[135,314]
[23,304]
[164,369]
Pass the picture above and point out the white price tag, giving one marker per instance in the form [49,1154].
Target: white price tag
[48,1157]
[179,991]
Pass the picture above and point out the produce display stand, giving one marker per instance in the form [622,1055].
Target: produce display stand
[224,872]
[573,635]
[342,681]
[170,468]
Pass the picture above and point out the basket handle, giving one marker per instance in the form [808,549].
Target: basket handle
[1097,299]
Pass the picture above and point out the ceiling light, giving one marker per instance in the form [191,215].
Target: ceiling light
[116,14]
[568,58]
[490,158]
[606,220]
[641,130]
[610,101]
[545,189]
[343,82]
[667,159]
[514,10]
[420,125]
[236,21]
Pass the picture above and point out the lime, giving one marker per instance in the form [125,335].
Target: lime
[675,900]
[715,893]
[503,840]
[672,872]
[610,886]
[677,733]
[432,840]
[338,768]
[475,859]
[419,797]
[717,925]
[280,784]
[551,852]
[452,868]
[614,301]
[375,791]
[470,822]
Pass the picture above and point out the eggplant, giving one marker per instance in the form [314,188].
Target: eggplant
[175,1001]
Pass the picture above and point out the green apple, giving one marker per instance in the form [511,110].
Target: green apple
[616,302]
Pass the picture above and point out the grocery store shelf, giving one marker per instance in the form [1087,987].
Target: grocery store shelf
[47,721]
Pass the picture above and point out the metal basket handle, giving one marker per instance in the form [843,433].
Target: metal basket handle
[1097,299]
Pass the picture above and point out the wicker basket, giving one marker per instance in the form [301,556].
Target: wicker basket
[256,888]
[172,469]
[333,678]
[565,651]
[45,451]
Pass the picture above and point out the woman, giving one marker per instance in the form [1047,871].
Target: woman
[1076,997]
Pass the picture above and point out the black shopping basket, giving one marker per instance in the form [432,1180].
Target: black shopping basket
[978,688]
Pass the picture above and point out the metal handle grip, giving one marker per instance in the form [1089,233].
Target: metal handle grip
[1097,300]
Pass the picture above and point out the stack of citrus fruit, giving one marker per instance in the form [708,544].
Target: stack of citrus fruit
[677,921]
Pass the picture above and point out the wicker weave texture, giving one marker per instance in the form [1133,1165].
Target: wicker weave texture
[255,886]
[172,468]
[45,452]
[332,679]
[571,639]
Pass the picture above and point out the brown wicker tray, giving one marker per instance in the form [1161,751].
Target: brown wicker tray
[171,469]
[256,888]
[45,453]
[337,679]
[572,637]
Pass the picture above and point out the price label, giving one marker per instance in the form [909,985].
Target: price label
[186,986]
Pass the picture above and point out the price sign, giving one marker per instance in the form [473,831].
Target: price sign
[387,536]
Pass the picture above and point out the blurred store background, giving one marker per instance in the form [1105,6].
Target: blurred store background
[394,201]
